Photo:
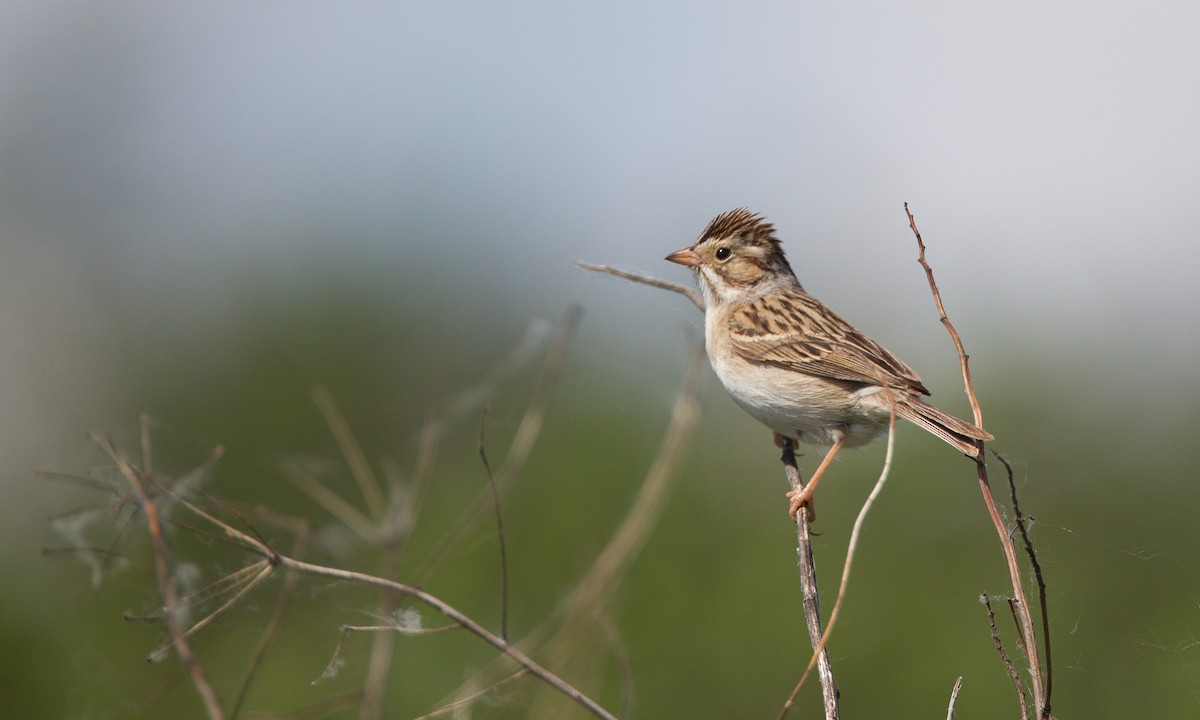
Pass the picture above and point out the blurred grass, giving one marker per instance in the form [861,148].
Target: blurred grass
[710,614]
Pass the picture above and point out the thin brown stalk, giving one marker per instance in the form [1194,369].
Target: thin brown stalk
[964,359]
[819,647]
[491,478]
[398,629]
[514,653]
[1037,570]
[360,469]
[383,648]
[273,628]
[1020,599]
[1004,658]
[469,698]
[261,570]
[606,574]
[382,531]
[624,663]
[684,290]
[330,501]
[457,616]
[810,599]
[166,586]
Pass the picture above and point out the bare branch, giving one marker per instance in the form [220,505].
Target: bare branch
[274,625]
[368,484]
[810,598]
[1037,572]
[457,616]
[954,698]
[487,467]
[684,290]
[166,586]
[1008,666]
[1020,602]
[829,690]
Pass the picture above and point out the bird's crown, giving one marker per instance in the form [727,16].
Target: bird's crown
[751,230]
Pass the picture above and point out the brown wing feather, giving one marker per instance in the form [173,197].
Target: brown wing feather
[794,330]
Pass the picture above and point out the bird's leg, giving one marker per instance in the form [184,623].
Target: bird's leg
[800,498]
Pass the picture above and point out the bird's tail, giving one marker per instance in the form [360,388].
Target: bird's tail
[959,433]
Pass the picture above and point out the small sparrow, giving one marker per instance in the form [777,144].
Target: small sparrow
[790,361]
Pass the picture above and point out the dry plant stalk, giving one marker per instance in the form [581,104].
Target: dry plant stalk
[141,483]
[821,639]
[811,597]
[1039,686]
[385,524]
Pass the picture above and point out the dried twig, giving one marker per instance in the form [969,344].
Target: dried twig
[954,698]
[455,615]
[821,639]
[810,598]
[274,560]
[1008,666]
[274,625]
[1037,569]
[360,469]
[491,478]
[172,614]
[1020,602]
[688,292]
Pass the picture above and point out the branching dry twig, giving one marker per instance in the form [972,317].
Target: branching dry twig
[383,526]
[1035,565]
[141,485]
[1008,665]
[272,561]
[1039,689]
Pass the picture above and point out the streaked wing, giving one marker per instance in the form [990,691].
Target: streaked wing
[794,330]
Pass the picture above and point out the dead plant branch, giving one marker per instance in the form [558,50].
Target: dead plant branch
[688,292]
[172,613]
[1022,527]
[1004,658]
[819,647]
[954,698]
[810,598]
[1039,688]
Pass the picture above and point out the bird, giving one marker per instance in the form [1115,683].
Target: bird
[794,364]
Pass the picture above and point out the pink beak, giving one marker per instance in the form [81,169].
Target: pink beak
[686,256]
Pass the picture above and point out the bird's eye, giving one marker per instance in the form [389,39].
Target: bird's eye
[723,253]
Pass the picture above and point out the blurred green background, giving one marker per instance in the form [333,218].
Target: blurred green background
[205,211]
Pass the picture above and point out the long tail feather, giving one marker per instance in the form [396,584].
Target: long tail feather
[959,433]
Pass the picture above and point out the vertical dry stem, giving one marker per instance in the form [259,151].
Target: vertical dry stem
[172,614]
[809,591]
[1020,602]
